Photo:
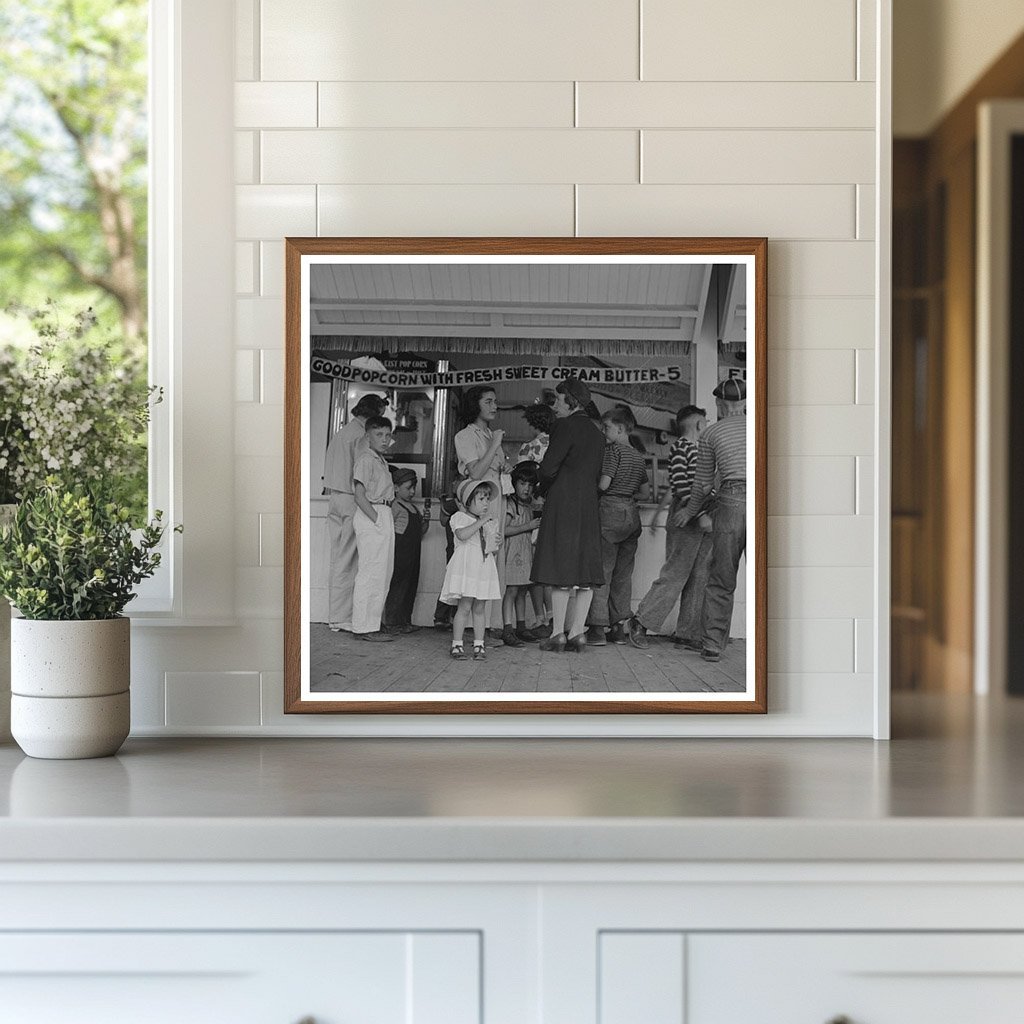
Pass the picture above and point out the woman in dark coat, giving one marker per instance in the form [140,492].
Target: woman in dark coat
[568,552]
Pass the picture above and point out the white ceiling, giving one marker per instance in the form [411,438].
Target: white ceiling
[600,301]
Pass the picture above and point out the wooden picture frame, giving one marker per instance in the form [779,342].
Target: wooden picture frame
[643,322]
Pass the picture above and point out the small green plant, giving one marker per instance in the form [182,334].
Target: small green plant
[71,554]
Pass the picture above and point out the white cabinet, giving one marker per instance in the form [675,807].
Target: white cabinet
[241,978]
[906,978]
[511,943]
[869,979]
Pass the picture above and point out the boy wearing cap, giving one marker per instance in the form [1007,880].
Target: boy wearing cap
[375,531]
[410,527]
[722,453]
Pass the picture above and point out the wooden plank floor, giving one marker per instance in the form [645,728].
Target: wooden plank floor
[419,663]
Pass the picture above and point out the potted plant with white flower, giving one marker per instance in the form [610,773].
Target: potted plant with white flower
[75,409]
[69,563]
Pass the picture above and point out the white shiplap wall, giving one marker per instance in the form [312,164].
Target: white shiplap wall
[557,117]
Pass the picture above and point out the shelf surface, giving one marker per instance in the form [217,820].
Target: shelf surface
[947,787]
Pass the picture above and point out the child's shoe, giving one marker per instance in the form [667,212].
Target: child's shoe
[527,635]
[479,652]
[458,652]
[510,637]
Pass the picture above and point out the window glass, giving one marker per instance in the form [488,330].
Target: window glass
[73,186]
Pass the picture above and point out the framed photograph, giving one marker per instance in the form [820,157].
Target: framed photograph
[525,475]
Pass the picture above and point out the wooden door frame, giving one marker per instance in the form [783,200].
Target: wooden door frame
[998,121]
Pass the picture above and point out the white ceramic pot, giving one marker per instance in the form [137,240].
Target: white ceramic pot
[6,515]
[69,686]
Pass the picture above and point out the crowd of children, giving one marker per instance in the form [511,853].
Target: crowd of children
[490,538]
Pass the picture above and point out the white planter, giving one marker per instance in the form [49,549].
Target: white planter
[69,684]
[6,515]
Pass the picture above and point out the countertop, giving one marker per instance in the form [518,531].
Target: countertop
[948,787]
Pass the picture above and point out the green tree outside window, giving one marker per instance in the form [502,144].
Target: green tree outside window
[73,174]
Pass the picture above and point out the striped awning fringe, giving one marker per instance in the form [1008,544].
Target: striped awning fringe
[327,345]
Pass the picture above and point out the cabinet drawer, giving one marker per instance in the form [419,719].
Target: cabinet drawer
[242,978]
[866,978]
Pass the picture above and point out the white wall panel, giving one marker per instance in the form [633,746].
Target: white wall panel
[811,486]
[757,157]
[824,592]
[811,377]
[440,157]
[821,323]
[258,484]
[245,268]
[821,268]
[830,703]
[247,363]
[260,592]
[205,699]
[866,211]
[735,40]
[275,105]
[726,105]
[271,269]
[456,118]
[148,706]
[270,211]
[446,105]
[867,26]
[820,540]
[821,430]
[245,645]
[865,485]
[775,211]
[811,645]
[864,645]
[272,376]
[446,210]
[448,40]
[865,376]
[259,323]
[259,430]
[246,172]
[246,45]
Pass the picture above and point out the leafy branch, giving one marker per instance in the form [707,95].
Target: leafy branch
[71,554]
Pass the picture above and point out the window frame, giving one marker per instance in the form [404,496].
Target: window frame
[191,299]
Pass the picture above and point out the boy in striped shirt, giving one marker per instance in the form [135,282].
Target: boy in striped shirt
[687,547]
[722,464]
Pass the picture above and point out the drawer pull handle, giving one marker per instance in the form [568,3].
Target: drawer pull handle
[841,1019]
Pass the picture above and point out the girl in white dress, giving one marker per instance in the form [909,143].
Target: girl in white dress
[471,579]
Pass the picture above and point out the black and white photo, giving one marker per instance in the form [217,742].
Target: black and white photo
[518,481]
